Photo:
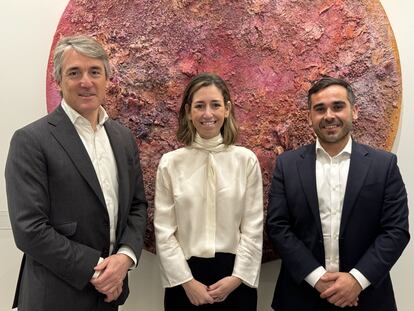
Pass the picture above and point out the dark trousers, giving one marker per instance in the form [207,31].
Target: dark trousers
[208,271]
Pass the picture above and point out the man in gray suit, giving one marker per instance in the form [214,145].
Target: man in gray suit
[75,193]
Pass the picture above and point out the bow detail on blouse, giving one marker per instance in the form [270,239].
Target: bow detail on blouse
[212,146]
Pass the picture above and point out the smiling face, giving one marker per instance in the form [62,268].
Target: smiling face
[331,115]
[207,111]
[83,83]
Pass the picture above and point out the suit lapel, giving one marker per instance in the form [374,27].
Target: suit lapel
[65,133]
[118,147]
[306,170]
[358,169]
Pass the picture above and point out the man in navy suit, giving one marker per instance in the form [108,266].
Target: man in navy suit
[337,214]
[75,193]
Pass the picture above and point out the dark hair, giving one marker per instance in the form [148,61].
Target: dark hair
[186,131]
[325,82]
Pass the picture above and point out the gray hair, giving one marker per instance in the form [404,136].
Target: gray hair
[84,45]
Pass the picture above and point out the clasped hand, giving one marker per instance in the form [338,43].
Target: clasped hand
[200,294]
[113,270]
[339,288]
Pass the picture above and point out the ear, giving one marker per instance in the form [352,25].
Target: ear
[309,119]
[188,111]
[58,84]
[355,111]
[228,107]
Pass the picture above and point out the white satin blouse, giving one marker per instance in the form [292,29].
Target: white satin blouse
[209,199]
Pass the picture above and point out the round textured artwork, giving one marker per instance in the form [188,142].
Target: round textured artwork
[268,51]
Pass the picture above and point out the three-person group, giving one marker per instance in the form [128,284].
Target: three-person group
[337,212]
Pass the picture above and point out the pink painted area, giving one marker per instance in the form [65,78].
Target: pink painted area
[268,51]
[52,94]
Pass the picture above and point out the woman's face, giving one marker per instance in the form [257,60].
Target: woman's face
[208,111]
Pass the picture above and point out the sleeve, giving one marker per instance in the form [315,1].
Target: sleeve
[126,250]
[249,251]
[362,280]
[297,258]
[393,235]
[133,234]
[29,207]
[174,267]
[313,277]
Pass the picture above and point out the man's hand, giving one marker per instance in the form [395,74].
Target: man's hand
[222,288]
[197,293]
[323,285]
[112,296]
[345,290]
[113,270]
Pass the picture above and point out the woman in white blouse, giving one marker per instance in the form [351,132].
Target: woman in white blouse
[209,207]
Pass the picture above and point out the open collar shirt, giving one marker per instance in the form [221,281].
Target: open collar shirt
[100,152]
[331,180]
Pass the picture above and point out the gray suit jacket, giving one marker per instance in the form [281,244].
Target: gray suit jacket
[373,229]
[59,217]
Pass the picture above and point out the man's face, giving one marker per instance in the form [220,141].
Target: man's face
[83,82]
[331,115]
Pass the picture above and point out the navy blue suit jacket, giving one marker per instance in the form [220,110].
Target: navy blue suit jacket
[373,228]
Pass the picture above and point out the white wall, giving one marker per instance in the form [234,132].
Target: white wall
[27,28]
[400,16]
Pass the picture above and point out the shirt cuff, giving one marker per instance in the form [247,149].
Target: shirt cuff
[126,250]
[313,277]
[362,280]
[98,272]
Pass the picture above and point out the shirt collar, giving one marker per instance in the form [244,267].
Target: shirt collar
[74,116]
[346,151]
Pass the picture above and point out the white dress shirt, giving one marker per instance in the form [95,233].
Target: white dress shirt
[208,199]
[100,152]
[331,179]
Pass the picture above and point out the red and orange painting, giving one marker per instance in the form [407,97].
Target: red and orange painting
[269,51]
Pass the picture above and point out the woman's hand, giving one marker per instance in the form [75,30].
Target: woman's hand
[197,293]
[221,289]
